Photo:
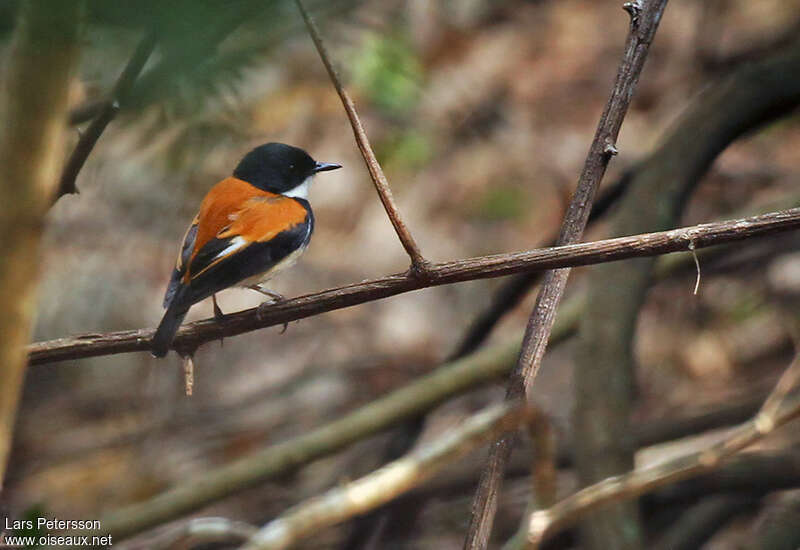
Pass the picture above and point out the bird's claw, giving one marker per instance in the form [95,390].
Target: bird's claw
[264,306]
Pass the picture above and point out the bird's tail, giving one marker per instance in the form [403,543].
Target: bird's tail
[166,330]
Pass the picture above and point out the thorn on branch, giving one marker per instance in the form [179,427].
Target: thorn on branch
[610,148]
[633,8]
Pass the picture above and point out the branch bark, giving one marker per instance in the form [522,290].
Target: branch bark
[107,113]
[650,244]
[33,110]
[418,263]
[644,23]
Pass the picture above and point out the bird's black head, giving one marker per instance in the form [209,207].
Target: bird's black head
[279,168]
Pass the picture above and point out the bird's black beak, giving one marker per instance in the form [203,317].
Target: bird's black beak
[326,166]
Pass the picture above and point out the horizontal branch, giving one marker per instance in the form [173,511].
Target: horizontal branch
[649,244]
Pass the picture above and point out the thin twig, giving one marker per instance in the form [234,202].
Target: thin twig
[769,411]
[648,244]
[386,483]
[109,110]
[697,268]
[644,22]
[418,263]
[195,532]
[543,524]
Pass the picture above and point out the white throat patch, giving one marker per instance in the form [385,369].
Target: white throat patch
[301,191]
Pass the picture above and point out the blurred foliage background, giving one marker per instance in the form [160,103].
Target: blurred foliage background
[481,113]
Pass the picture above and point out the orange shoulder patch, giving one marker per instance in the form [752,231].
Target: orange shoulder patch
[219,206]
[263,217]
[233,208]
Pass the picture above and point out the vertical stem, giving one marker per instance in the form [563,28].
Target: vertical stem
[33,108]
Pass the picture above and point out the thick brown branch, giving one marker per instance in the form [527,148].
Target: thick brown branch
[418,263]
[649,244]
[107,113]
[645,16]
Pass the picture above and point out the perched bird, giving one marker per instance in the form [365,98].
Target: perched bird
[249,227]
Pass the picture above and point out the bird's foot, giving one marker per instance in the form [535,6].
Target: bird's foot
[264,306]
[267,292]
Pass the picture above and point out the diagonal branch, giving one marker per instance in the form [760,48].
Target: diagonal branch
[106,114]
[645,17]
[386,483]
[418,263]
[779,409]
[620,248]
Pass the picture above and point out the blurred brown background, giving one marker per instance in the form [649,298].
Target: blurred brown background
[481,113]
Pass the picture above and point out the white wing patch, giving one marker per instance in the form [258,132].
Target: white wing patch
[236,244]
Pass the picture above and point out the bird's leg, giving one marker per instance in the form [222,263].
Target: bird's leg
[275,299]
[218,315]
[266,292]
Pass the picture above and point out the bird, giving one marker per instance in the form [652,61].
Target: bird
[250,226]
